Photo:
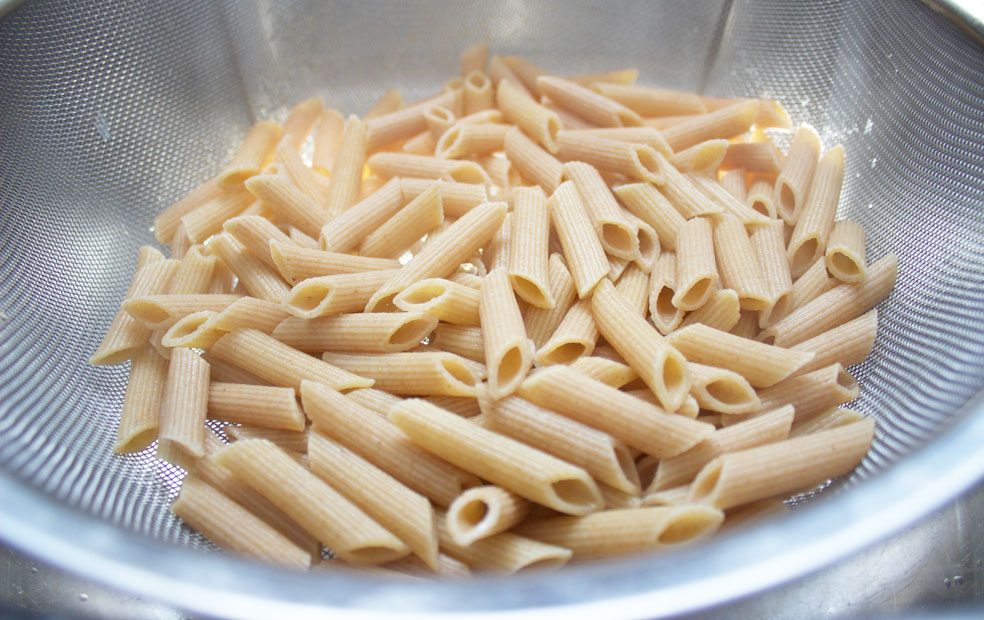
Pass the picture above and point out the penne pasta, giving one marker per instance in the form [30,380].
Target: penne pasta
[456,198]
[608,371]
[636,135]
[649,205]
[812,393]
[753,157]
[720,390]
[254,275]
[294,442]
[847,344]
[206,220]
[446,300]
[466,139]
[623,77]
[589,105]
[635,161]
[721,311]
[478,92]
[614,230]
[327,139]
[716,192]
[533,162]
[767,243]
[301,121]
[346,172]
[582,249]
[541,322]
[255,233]
[166,224]
[296,263]
[182,422]
[335,294]
[734,182]
[726,122]
[541,124]
[738,264]
[140,416]
[696,277]
[483,511]
[255,405]
[704,156]
[647,101]
[464,341]
[419,217]
[407,121]
[288,202]
[529,247]
[844,255]
[503,553]
[816,217]
[413,374]
[162,311]
[389,102]
[761,199]
[573,338]
[794,178]
[367,332]
[507,352]
[254,150]
[835,417]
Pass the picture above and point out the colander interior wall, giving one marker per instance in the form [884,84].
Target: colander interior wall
[110,111]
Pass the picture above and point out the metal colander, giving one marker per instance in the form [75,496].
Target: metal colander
[110,111]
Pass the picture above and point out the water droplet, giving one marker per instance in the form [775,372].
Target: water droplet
[102,127]
[874,162]
[868,126]
[84,597]
[958,579]
[946,583]
[34,570]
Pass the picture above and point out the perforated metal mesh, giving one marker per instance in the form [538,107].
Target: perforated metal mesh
[110,111]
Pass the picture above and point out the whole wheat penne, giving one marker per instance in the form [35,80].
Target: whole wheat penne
[811,285]
[816,217]
[420,216]
[689,200]
[837,305]
[438,120]
[327,139]
[413,374]
[294,442]
[499,70]
[615,499]
[496,253]
[738,264]
[659,365]
[607,459]
[749,475]
[233,527]
[844,255]
[532,161]
[761,367]
[478,92]
[258,405]
[365,332]
[373,399]
[608,371]
[721,311]
[460,340]
[301,238]
[201,329]
[696,277]
[622,531]
[289,202]
[255,233]
[720,390]
[648,204]
[388,102]
[528,250]
[535,120]
[456,198]
[255,148]
[677,496]
[412,566]
[767,243]
[483,511]
[527,72]
[525,471]
[399,509]
[376,439]
[351,534]
[639,424]
[335,294]
[346,173]
[727,122]
[125,335]
[573,338]
[460,405]
[734,182]
[352,226]
[847,344]
[624,77]
[501,171]
[503,553]
[421,166]
[447,301]
[614,230]
[793,182]
[206,220]
[182,422]
[194,274]
[180,242]
[633,286]
[223,280]
[717,193]
[507,352]
[637,135]
[296,263]
[662,122]
[747,325]
[162,311]
[754,157]
[635,161]
[702,157]
[405,122]
[812,393]
[140,415]
[466,139]
[273,361]
[293,167]
[753,513]
[647,101]
[589,105]
[224,371]
[167,222]
[301,120]
[766,428]
[834,417]
[649,247]
[259,280]
[582,248]
[541,322]
[761,198]
[438,259]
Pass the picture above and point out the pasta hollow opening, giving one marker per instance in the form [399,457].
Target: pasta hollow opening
[617,237]
[780,307]
[423,294]
[312,297]
[573,491]
[787,198]
[458,370]
[846,381]
[529,290]
[686,527]
[696,293]
[664,304]
[804,255]
[553,128]
[844,265]
[441,113]
[626,463]
[477,80]
[647,244]
[761,207]
[706,481]
[673,374]
[544,563]
[468,173]
[448,139]
[411,332]
[565,353]
[647,159]
[472,513]
[726,392]
[510,366]
[185,328]
[148,312]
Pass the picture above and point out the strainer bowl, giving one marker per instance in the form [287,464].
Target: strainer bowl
[110,111]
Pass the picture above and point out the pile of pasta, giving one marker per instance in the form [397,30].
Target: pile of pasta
[525,321]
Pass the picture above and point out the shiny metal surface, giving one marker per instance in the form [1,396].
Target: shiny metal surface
[110,111]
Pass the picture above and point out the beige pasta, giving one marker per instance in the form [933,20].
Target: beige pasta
[811,285]
[738,264]
[483,511]
[608,371]
[639,424]
[635,161]
[379,441]
[412,373]
[256,147]
[750,475]
[273,361]
[721,311]
[260,280]
[753,157]
[289,202]
[607,459]
[525,471]
[206,220]
[499,70]
[649,205]
[734,182]
[460,340]
[294,168]
[507,352]
[233,527]
[301,121]
[719,195]
[140,416]
[479,94]
[255,233]
[336,294]
[720,390]
[813,392]
[834,417]
[420,216]
[689,200]
[633,286]
[296,263]
[446,300]
[421,166]
[677,496]
[582,249]
[531,161]
[224,371]
[327,139]
[702,157]
[504,553]
[256,405]
[837,305]
[614,230]
[162,311]
[528,249]
[573,338]
[767,428]
[367,332]
[180,243]
[794,178]
[541,124]
[647,101]
[696,269]
[351,534]
[496,254]
[659,365]
[407,121]
[466,139]
[623,77]
[762,365]
[182,422]
[633,530]
[767,242]
[526,71]
[389,102]
[404,512]
[438,259]
[456,198]
[438,119]
[847,344]
[168,221]
[637,135]
[459,405]
[587,104]
[816,217]
[541,322]
[376,400]
[727,122]
[844,256]
[760,198]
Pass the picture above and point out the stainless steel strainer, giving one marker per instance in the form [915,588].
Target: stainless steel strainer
[109,111]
